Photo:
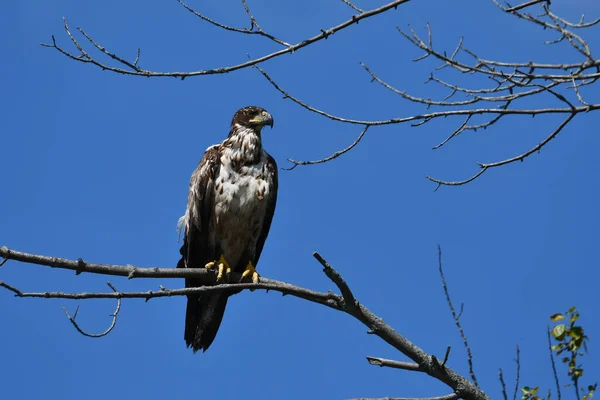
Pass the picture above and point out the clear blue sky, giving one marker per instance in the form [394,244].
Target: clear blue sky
[96,165]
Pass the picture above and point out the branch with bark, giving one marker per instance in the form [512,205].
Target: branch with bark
[344,302]
[126,67]
[512,83]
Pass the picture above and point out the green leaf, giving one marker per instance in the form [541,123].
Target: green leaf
[576,332]
[571,309]
[574,318]
[559,331]
[577,342]
[525,389]
[557,317]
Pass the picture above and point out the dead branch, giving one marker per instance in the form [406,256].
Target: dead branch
[502,384]
[344,302]
[79,266]
[331,157]
[456,318]
[554,372]
[94,335]
[126,67]
[452,396]
[383,362]
[514,83]
[254,29]
[518,375]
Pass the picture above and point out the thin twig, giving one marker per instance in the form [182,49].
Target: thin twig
[528,4]
[383,362]
[451,396]
[554,373]
[520,157]
[456,320]
[349,300]
[432,115]
[133,70]
[247,31]
[446,355]
[94,335]
[353,6]
[331,157]
[518,375]
[503,384]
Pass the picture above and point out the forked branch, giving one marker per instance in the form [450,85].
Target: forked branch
[125,67]
[344,302]
[513,83]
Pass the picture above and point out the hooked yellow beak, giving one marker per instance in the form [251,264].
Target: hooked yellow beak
[263,119]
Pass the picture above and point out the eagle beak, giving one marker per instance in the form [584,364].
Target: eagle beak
[263,119]
[268,120]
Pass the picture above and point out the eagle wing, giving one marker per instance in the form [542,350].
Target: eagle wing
[204,312]
[196,250]
[272,180]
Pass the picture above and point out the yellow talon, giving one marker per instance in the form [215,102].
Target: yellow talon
[223,267]
[210,265]
[250,271]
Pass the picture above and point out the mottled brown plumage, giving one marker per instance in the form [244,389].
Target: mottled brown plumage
[231,203]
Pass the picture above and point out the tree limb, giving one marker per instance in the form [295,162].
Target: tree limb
[128,68]
[452,396]
[456,319]
[344,302]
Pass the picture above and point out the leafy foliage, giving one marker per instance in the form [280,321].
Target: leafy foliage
[569,340]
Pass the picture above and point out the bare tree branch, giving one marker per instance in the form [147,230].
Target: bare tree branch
[518,375]
[93,335]
[554,372]
[528,4]
[345,302]
[433,115]
[254,29]
[331,157]
[455,317]
[382,362]
[452,396]
[521,157]
[514,82]
[353,6]
[79,266]
[503,384]
[128,68]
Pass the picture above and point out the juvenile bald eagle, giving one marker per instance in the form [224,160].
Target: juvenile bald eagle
[231,202]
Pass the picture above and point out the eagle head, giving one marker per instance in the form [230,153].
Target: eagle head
[252,117]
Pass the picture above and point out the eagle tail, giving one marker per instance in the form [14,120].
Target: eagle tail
[203,317]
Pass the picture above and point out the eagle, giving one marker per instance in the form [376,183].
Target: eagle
[231,203]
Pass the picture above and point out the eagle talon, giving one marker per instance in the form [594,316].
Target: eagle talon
[250,271]
[222,269]
[210,265]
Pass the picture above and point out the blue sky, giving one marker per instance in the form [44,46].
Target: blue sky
[97,165]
